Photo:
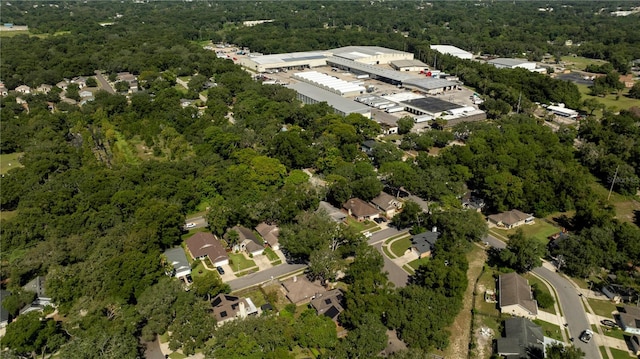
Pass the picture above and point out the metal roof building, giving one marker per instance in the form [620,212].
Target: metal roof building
[408,65]
[310,94]
[430,85]
[290,60]
[505,63]
[370,54]
[330,83]
[453,51]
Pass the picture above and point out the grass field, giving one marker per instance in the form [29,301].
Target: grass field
[271,254]
[625,206]
[238,262]
[622,103]
[580,63]
[550,330]
[418,262]
[540,284]
[360,226]
[613,332]
[8,215]
[602,308]
[620,354]
[9,161]
[400,246]
[540,230]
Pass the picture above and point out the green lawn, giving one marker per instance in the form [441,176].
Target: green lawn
[622,103]
[580,63]
[539,230]
[9,161]
[7,215]
[125,150]
[535,280]
[400,246]
[271,254]
[360,226]
[238,262]
[603,352]
[387,252]
[620,354]
[176,355]
[418,262]
[613,332]
[395,237]
[550,330]
[602,308]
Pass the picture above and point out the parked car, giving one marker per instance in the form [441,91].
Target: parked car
[220,270]
[367,234]
[190,225]
[380,220]
[609,323]
[586,335]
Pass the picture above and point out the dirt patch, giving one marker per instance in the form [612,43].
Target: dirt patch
[484,338]
[461,327]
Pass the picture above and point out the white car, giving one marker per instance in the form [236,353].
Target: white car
[190,225]
[586,335]
[367,234]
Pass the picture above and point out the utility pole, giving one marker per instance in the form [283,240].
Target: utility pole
[613,182]
[519,99]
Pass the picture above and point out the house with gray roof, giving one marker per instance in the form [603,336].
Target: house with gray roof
[177,259]
[270,234]
[511,219]
[248,241]
[228,307]
[516,297]
[522,339]
[424,243]
[4,314]
[334,213]
[37,285]
[329,303]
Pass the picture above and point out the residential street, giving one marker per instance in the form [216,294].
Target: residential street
[569,301]
[264,276]
[397,275]
[199,221]
[104,85]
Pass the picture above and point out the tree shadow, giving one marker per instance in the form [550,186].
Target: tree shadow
[636,217]
[564,221]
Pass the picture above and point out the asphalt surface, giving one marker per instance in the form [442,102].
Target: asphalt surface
[264,276]
[103,83]
[396,275]
[199,221]
[569,301]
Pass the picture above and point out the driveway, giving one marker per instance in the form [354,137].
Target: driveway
[257,278]
[262,262]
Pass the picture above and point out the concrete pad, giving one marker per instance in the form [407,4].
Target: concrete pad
[550,318]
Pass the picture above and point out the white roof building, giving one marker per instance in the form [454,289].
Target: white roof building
[504,63]
[330,83]
[310,94]
[453,51]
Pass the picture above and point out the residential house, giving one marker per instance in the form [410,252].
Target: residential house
[367,146]
[388,129]
[248,241]
[424,243]
[64,84]
[176,258]
[80,81]
[270,234]
[522,339]
[360,209]
[470,201]
[86,94]
[557,238]
[300,290]
[330,303]
[205,245]
[333,212]
[23,89]
[37,285]
[630,319]
[228,307]
[129,78]
[627,80]
[4,314]
[44,88]
[511,219]
[388,204]
[516,297]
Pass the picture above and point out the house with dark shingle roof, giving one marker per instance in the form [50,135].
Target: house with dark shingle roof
[516,297]
[205,245]
[630,319]
[360,209]
[178,261]
[424,243]
[510,219]
[329,303]
[4,314]
[270,234]
[334,213]
[38,286]
[248,241]
[228,307]
[522,339]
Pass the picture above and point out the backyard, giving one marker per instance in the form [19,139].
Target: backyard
[9,161]
[622,102]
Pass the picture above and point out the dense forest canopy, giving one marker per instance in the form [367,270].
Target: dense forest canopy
[105,187]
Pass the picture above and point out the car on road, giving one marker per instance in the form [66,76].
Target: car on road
[190,225]
[367,234]
[220,270]
[609,323]
[586,335]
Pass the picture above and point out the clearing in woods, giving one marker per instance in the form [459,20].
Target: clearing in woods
[461,328]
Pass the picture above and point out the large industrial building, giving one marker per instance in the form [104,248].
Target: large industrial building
[310,94]
[330,83]
[505,63]
[453,51]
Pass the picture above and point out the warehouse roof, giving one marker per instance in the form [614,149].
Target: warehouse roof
[452,50]
[328,82]
[429,83]
[508,62]
[431,104]
[287,57]
[336,101]
[408,63]
[356,52]
[370,69]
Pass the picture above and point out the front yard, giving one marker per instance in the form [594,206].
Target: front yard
[271,254]
[400,246]
[539,230]
[602,308]
[238,262]
[360,226]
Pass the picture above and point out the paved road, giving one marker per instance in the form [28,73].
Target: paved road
[381,236]
[103,83]
[570,303]
[265,275]
[199,221]
[397,275]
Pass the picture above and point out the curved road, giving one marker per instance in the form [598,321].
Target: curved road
[570,304]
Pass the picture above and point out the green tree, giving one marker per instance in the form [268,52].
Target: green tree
[121,86]
[91,82]
[30,336]
[522,253]
[635,90]
[366,341]
[411,215]
[73,92]
[405,124]
[209,285]
[559,351]
[324,264]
